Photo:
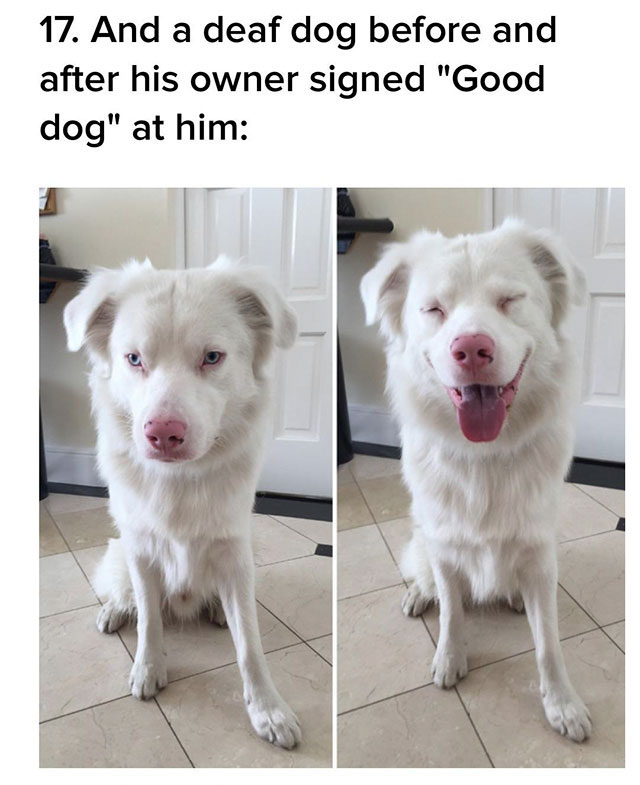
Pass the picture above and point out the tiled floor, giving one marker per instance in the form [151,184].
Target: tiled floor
[88,718]
[391,714]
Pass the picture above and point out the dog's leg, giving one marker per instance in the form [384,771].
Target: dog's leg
[565,710]
[450,660]
[271,717]
[415,566]
[149,672]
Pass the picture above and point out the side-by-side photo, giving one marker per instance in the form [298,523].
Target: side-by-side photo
[481,450]
[186,473]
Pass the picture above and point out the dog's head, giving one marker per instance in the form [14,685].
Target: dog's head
[182,352]
[476,317]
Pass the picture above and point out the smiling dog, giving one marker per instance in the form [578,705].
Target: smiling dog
[180,394]
[481,382]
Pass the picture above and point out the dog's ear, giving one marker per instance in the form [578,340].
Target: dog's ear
[89,317]
[565,280]
[384,290]
[267,313]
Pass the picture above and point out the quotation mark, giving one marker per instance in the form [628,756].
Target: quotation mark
[113,119]
[443,70]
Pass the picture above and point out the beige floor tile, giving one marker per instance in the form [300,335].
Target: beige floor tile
[64,502]
[387,497]
[427,727]
[369,467]
[51,541]
[79,667]
[63,587]
[273,542]
[616,631]
[208,715]
[121,734]
[194,647]
[592,571]
[397,533]
[344,474]
[86,528]
[495,632]
[610,497]
[89,558]
[380,652]
[364,562]
[299,593]
[581,515]
[352,508]
[504,703]
[324,647]
[318,531]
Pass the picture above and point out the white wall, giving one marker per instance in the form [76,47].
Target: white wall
[446,209]
[93,227]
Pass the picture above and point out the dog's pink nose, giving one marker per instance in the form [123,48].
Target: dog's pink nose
[473,352]
[165,435]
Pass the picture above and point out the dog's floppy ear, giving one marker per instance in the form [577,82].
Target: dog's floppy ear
[264,309]
[88,318]
[565,280]
[384,290]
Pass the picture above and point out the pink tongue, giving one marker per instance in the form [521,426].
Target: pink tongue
[481,412]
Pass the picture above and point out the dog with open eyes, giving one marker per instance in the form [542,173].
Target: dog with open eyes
[180,390]
[480,377]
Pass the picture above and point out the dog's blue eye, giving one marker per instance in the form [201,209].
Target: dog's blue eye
[134,359]
[212,358]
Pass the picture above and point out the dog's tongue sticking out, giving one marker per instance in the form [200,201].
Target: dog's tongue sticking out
[481,413]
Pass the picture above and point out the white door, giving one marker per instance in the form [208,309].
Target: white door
[287,230]
[591,222]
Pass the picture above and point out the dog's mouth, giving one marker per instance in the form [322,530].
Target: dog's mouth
[482,408]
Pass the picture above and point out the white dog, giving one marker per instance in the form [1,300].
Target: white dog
[180,394]
[480,379]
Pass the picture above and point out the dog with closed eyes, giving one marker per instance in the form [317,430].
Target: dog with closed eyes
[180,390]
[480,377]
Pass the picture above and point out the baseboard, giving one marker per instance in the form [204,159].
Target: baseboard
[290,506]
[584,471]
[373,426]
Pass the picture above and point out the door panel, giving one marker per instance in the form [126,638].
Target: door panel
[286,230]
[591,221]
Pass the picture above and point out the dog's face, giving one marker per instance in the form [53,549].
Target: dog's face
[182,352]
[476,317]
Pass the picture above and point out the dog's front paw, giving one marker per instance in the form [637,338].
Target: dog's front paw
[274,721]
[415,602]
[147,678]
[111,618]
[567,715]
[449,666]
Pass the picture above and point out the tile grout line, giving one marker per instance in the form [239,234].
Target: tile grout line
[97,604]
[171,728]
[587,536]
[615,643]
[372,591]
[473,725]
[575,485]
[300,638]
[295,531]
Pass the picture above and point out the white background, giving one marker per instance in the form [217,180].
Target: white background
[581,131]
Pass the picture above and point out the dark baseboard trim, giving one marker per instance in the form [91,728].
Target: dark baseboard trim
[311,507]
[585,471]
[377,450]
[78,490]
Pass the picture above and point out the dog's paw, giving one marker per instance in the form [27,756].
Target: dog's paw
[111,618]
[449,666]
[414,602]
[568,715]
[216,614]
[274,721]
[147,679]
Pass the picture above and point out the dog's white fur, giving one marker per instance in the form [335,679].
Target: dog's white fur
[485,513]
[185,526]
